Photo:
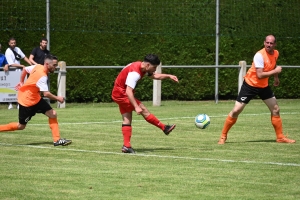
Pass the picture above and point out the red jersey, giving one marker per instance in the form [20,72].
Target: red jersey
[129,76]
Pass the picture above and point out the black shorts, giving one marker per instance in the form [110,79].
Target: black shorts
[25,113]
[247,93]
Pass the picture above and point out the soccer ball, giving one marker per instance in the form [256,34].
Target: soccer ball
[202,121]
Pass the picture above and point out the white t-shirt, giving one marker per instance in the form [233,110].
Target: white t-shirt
[258,60]
[10,56]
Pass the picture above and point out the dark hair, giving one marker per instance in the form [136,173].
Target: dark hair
[152,59]
[12,38]
[44,39]
[50,57]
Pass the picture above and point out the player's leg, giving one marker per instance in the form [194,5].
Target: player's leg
[43,107]
[13,126]
[127,132]
[24,117]
[152,119]
[276,120]
[246,94]
[231,120]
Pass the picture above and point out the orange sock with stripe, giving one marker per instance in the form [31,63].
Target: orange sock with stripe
[154,121]
[54,128]
[9,127]
[229,122]
[277,124]
[127,132]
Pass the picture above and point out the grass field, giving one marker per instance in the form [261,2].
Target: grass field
[187,164]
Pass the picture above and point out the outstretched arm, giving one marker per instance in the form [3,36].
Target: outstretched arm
[164,76]
[27,60]
[53,97]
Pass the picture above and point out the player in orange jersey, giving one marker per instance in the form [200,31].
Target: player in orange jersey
[123,95]
[31,101]
[256,83]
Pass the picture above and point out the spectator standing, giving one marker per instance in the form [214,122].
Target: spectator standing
[13,56]
[38,54]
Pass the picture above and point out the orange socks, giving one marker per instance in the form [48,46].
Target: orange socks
[9,127]
[127,132]
[229,122]
[277,124]
[154,121]
[54,128]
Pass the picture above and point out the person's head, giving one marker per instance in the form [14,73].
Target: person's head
[0,47]
[151,61]
[43,43]
[12,42]
[50,62]
[270,44]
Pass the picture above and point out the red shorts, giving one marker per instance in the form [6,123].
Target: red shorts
[124,104]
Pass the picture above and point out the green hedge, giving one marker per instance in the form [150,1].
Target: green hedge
[239,40]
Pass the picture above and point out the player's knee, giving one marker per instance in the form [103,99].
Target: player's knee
[276,110]
[51,113]
[21,126]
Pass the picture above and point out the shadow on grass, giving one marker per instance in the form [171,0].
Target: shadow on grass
[261,141]
[153,150]
[40,143]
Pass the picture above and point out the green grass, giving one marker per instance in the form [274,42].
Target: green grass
[187,164]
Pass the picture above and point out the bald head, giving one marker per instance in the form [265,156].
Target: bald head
[270,44]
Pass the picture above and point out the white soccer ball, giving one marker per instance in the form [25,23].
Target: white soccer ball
[202,121]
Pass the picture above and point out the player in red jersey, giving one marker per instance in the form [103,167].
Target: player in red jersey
[123,95]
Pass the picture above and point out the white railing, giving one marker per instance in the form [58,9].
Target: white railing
[61,79]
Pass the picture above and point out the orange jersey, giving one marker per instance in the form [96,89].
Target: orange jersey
[29,93]
[269,64]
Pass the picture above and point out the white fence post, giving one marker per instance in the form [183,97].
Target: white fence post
[243,71]
[157,88]
[61,83]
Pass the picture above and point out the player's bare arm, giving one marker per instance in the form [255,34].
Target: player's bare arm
[130,95]
[164,76]
[261,74]
[276,80]
[22,79]
[53,97]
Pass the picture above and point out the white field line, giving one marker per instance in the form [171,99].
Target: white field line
[155,156]
[171,118]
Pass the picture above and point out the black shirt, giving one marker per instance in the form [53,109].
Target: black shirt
[39,55]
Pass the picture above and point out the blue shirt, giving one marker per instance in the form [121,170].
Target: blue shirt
[3,60]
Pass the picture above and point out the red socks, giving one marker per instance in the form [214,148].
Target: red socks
[127,132]
[154,121]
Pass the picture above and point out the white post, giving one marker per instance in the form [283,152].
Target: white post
[243,71]
[61,83]
[157,88]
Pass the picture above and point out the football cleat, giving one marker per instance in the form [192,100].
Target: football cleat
[169,128]
[62,142]
[127,150]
